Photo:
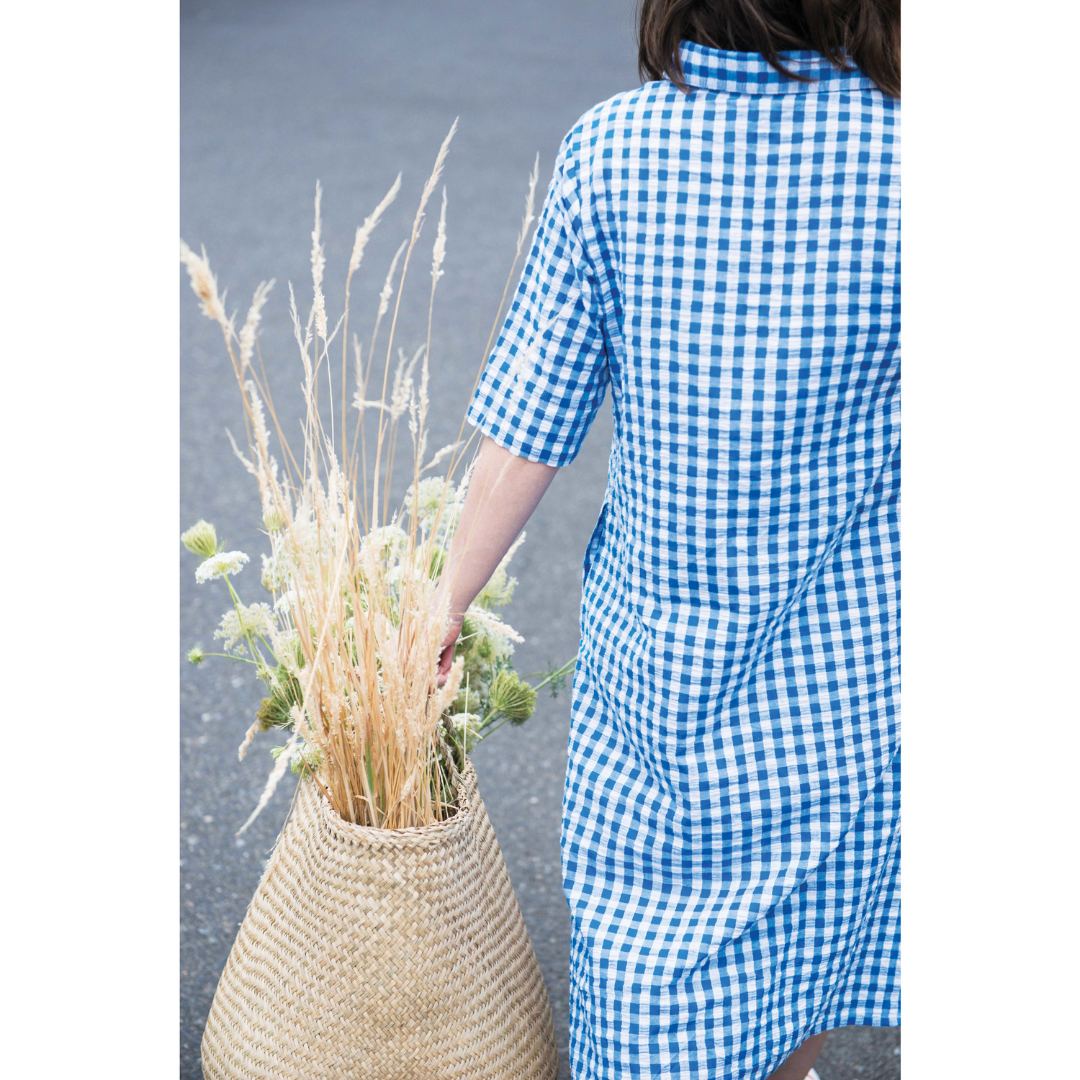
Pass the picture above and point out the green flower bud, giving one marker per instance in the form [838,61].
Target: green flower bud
[498,592]
[511,697]
[200,539]
[307,761]
[196,655]
[272,520]
[306,758]
[274,713]
[438,561]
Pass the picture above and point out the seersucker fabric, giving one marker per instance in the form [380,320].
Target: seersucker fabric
[726,264]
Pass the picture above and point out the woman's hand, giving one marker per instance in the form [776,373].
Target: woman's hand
[503,492]
[446,654]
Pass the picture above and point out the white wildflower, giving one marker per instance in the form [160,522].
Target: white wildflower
[389,540]
[223,564]
[307,758]
[451,512]
[288,650]
[257,620]
[467,728]
[425,497]
[498,645]
[273,580]
[381,548]
[448,523]
[491,622]
[499,590]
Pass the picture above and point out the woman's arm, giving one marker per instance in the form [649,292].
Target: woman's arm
[503,493]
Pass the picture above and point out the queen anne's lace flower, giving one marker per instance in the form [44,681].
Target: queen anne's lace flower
[498,591]
[452,505]
[272,578]
[427,496]
[222,564]
[257,619]
[467,728]
[304,757]
[390,538]
[288,650]
[381,548]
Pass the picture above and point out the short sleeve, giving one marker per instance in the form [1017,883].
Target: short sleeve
[547,375]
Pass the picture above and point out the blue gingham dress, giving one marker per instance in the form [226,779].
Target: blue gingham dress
[727,263]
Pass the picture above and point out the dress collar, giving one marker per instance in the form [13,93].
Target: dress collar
[750,73]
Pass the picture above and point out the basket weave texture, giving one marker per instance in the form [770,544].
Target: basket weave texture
[382,954]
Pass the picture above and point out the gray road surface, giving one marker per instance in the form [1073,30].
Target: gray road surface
[278,93]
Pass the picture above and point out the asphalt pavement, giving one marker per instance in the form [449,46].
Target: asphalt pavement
[276,94]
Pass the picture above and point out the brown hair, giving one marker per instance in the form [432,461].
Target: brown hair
[864,31]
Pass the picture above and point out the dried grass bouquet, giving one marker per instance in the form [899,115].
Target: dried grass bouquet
[349,642]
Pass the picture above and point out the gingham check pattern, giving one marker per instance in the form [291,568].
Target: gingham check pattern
[727,262]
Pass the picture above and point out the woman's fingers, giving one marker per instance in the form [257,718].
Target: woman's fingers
[446,657]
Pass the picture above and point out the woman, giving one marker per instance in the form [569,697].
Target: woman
[720,247]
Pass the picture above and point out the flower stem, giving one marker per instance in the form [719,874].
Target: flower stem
[558,674]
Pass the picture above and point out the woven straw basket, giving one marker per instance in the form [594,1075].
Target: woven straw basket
[382,955]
